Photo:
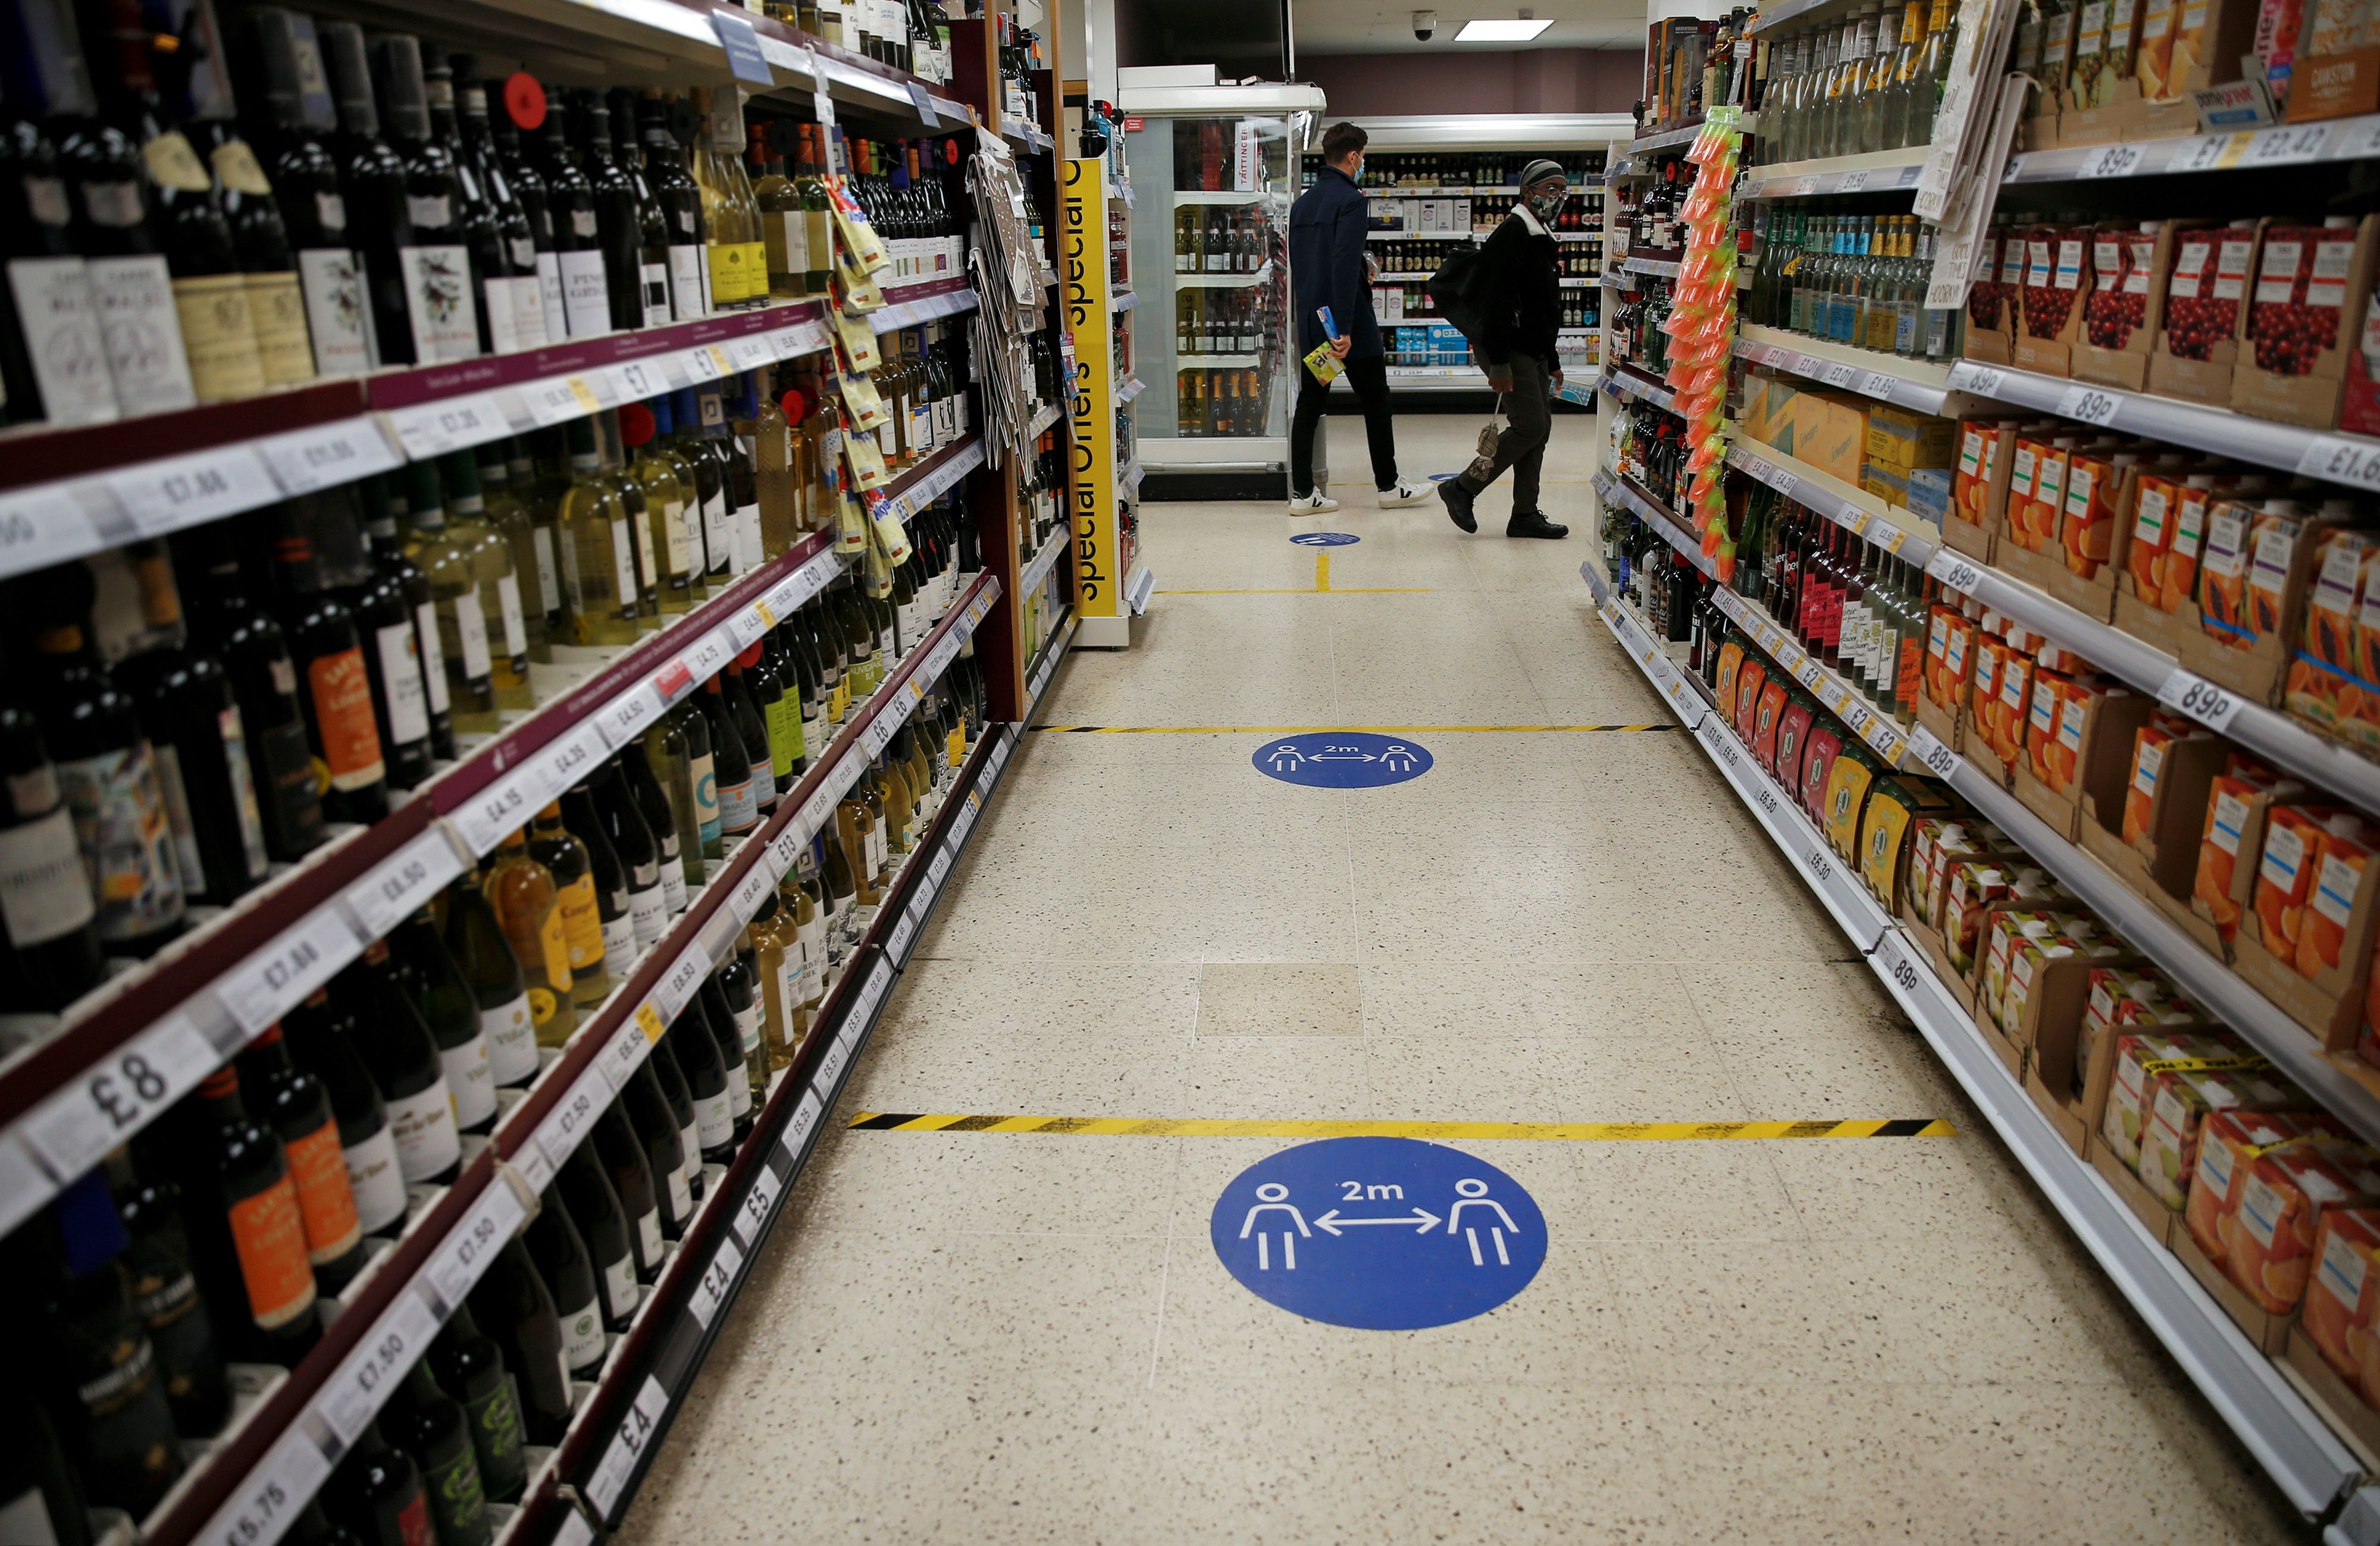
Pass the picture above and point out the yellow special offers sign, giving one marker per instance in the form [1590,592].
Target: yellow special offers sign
[1082,270]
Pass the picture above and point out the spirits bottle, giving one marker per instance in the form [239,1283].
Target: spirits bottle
[247,1233]
[581,909]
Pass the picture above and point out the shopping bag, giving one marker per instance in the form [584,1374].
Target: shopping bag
[1483,466]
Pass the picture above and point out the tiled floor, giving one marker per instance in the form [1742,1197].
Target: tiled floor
[982,1338]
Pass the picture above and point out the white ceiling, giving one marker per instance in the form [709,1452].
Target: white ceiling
[1385,26]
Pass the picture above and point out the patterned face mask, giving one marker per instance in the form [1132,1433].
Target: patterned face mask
[1548,204]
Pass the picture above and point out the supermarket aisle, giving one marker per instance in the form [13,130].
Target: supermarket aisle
[987,1337]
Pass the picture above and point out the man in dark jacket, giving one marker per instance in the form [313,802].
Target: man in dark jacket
[1326,266]
[1519,273]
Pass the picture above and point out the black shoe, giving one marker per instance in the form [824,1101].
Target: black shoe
[1533,523]
[1458,504]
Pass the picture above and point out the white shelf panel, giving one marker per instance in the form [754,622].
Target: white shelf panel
[1888,378]
[1627,383]
[2241,149]
[1223,281]
[1887,525]
[1876,172]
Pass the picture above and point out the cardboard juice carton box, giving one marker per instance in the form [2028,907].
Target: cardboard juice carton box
[2180,1102]
[2228,1146]
[2341,1313]
[2128,1109]
[2322,687]
[2269,1232]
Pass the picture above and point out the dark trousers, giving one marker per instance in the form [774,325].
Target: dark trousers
[1369,378]
[1522,445]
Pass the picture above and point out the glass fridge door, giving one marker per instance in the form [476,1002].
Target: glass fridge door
[1210,239]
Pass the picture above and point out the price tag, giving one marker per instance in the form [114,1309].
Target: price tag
[2280,147]
[1808,365]
[1819,863]
[872,993]
[2089,403]
[177,491]
[574,1530]
[1886,535]
[628,715]
[1840,373]
[559,398]
[704,1302]
[1877,384]
[1893,961]
[1939,758]
[749,352]
[785,848]
[897,946]
[269,1502]
[428,429]
[570,1120]
[708,654]
[785,342]
[2336,459]
[805,1122]
[485,819]
[260,989]
[1956,571]
[742,629]
[324,454]
[468,1249]
[564,762]
[627,1050]
[752,1215]
[118,1095]
[377,1365]
[838,1056]
[41,526]
[649,1021]
[1808,672]
[639,378]
[1850,182]
[1981,379]
[684,978]
[399,884]
[637,1428]
[2113,161]
[2192,695]
[2204,153]
[750,892]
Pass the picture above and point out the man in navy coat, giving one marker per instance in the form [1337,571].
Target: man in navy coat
[1325,267]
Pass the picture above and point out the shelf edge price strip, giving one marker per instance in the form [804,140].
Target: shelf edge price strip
[619,1462]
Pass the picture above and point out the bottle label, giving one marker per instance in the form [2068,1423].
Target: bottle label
[470,638]
[738,810]
[619,1281]
[376,1182]
[655,283]
[686,284]
[45,894]
[648,914]
[268,1236]
[764,785]
[218,336]
[649,1230]
[434,656]
[435,211]
[243,791]
[470,1079]
[142,335]
[706,799]
[456,1500]
[586,294]
[423,1126]
[619,941]
[528,300]
[62,340]
[277,308]
[727,286]
[437,300]
[748,553]
[582,1337]
[582,923]
[349,750]
[624,563]
[499,296]
[548,585]
[496,1426]
[400,671]
[713,1124]
[785,722]
[318,1169]
[508,604]
[510,1029]
[125,839]
[678,537]
[718,534]
[681,1200]
[549,297]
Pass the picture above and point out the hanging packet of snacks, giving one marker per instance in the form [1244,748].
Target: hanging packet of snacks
[858,340]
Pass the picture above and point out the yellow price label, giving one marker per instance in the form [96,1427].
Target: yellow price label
[584,393]
[768,618]
[1889,537]
[648,1021]
[719,355]
[916,694]
[2233,151]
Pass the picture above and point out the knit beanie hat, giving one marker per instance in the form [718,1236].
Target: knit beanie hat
[1540,169]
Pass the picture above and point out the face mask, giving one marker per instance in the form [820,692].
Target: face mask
[1546,206]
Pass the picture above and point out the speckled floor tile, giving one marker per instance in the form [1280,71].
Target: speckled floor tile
[1280,998]
[1718,1189]
[1514,1463]
[1462,999]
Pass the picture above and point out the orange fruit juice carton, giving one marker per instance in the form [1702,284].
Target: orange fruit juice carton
[2180,1102]
[2269,1232]
[2323,946]
[2236,804]
[2006,931]
[2285,872]
[2273,537]
[1950,642]
[2223,575]
[2087,525]
[2358,697]
[2150,744]
[2019,524]
[2127,1105]
[2040,720]
[1938,842]
[2011,705]
[2228,1146]
[2150,552]
[2322,674]
[2120,997]
[2341,1314]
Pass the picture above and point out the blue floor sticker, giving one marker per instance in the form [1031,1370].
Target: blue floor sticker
[1342,759]
[1325,539]
[1382,1234]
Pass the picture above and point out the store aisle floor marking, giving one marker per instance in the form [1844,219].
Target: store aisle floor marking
[1321,586]
[1235,1127]
[1380,729]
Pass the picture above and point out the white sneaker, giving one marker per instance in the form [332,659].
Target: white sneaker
[1404,493]
[1314,503]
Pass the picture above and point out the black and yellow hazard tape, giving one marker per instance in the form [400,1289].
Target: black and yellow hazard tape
[1231,1127]
[1306,730]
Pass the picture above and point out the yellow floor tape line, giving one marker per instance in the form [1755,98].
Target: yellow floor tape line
[1226,1127]
[1375,730]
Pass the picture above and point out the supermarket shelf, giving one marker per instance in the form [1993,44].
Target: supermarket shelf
[923,302]
[1031,135]
[1874,172]
[1577,235]
[1223,281]
[1660,268]
[1780,12]
[2351,460]
[1424,235]
[253,1487]
[1128,477]
[1053,652]
[1131,388]
[1626,382]
[1887,525]
[1581,281]
[1029,578]
[73,495]
[1684,135]
[1618,489]
[1218,362]
[2264,1409]
[1206,195]
[2243,150]
[1044,419]
[1122,300]
[1911,384]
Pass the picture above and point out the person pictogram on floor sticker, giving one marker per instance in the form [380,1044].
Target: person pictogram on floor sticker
[1286,758]
[1397,759]
[1474,1194]
[1272,1196]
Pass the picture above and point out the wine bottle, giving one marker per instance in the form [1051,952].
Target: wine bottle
[54,363]
[468,1368]
[448,561]
[681,743]
[667,1146]
[484,957]
[652,230]
[529,186]
[644,427]
[372,193]
[165,1294]
[96,1364]
[553,845]
[51,955]
[560,1253]
[194,726]
[293,1104]
[340,727]
[104,766]
[681,208]
[577,238]
[259,240]
[611,877]
[604,1227]
[387,1032]
[502,614]
[318,1032]
[452,1013]
[513,1305]
[661,819]
[694,1047]
[478,225]
[598,549]
[292,117]
[618,229]
[631,1167]
[376,1493]
[774,939]
[640,856]
[508,513]
[732,764]
[441,278]
[495,188]
[429,1425]
[408,701]
[741,1055]
[250,643]
[669,1079]
[246,1231]
[527,903]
